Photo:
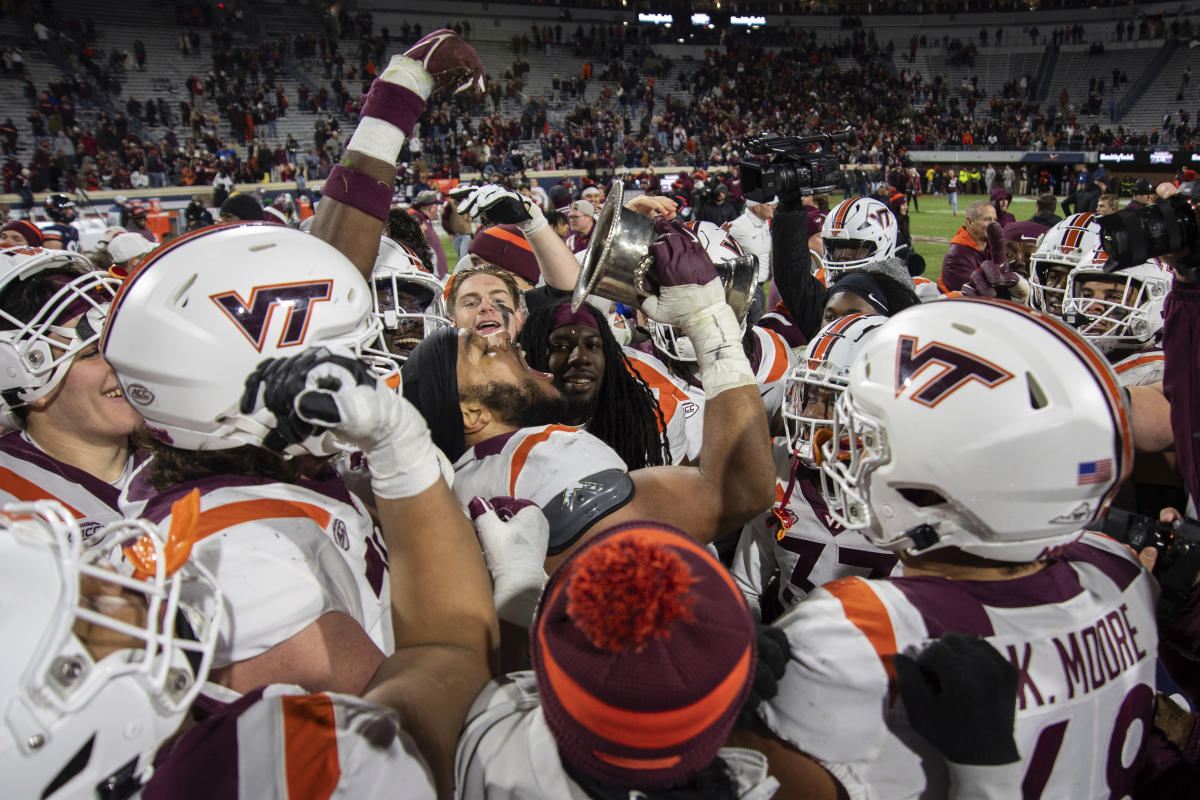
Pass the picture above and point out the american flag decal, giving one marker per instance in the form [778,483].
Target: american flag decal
[1094,472]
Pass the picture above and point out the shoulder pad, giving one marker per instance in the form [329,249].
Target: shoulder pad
[573,510]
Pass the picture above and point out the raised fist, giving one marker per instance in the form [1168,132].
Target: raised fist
[454,64]
[994,278]
[687,280]
[497,204]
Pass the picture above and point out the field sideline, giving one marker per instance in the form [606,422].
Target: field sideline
[932,227]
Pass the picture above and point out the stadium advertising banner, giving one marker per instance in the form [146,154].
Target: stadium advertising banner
[1160,158]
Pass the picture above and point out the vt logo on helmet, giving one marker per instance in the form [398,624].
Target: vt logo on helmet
[294,300]
[196,318]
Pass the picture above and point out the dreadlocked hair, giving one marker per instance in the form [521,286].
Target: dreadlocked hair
[403,227]
[627,417]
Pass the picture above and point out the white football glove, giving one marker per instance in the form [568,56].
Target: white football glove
[514,536]
[324,389]
[504,206]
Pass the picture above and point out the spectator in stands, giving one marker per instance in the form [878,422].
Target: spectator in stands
[968,247]
[425,209]
[1045,215]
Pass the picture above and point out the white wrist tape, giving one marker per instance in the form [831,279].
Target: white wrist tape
[535,224]
[408,73]
[717,338]
[378,139]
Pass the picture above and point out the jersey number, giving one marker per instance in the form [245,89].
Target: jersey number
[879,564]
[1137,705]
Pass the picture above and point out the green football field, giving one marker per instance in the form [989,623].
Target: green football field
[932,226]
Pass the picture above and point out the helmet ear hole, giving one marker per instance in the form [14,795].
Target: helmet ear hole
[921,497]
[1037,395]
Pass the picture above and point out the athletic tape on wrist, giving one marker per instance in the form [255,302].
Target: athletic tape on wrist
[394,104]
[722,362]
[358,190]
[535,224]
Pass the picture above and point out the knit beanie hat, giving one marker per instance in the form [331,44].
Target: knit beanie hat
[644,652]
[506,247]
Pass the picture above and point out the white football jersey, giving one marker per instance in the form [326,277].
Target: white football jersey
[27,473]
[507,751]
[797,541]
[1140,369]
[284,554]
[280,743]
[674,400]
[531,464]
[1081,633]
[771,360]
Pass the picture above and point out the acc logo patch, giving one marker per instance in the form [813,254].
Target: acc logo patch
[339,534]
[139,394]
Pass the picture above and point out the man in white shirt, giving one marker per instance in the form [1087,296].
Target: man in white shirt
[752,230]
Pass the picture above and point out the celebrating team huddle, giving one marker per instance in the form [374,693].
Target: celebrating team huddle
[285,515]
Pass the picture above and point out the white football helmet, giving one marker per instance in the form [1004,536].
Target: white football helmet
[408,299]
[1120,310]
[103,664]
[36,348]
[857,232]
[976,424]
[721,248]
[201,313]
[1059,251]
[817,381]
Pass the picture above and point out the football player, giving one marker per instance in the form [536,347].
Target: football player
[862,233]
[71,424]
[797,545]
[769,354]
[1121,313]
[407,299]
[1059,251]
[303,560]
[605,393]
[60,234]
[990,532]
[495,417]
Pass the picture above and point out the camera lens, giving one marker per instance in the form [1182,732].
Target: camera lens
[1131,237]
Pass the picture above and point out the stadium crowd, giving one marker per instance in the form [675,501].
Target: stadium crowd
[695,493]
[648,110]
